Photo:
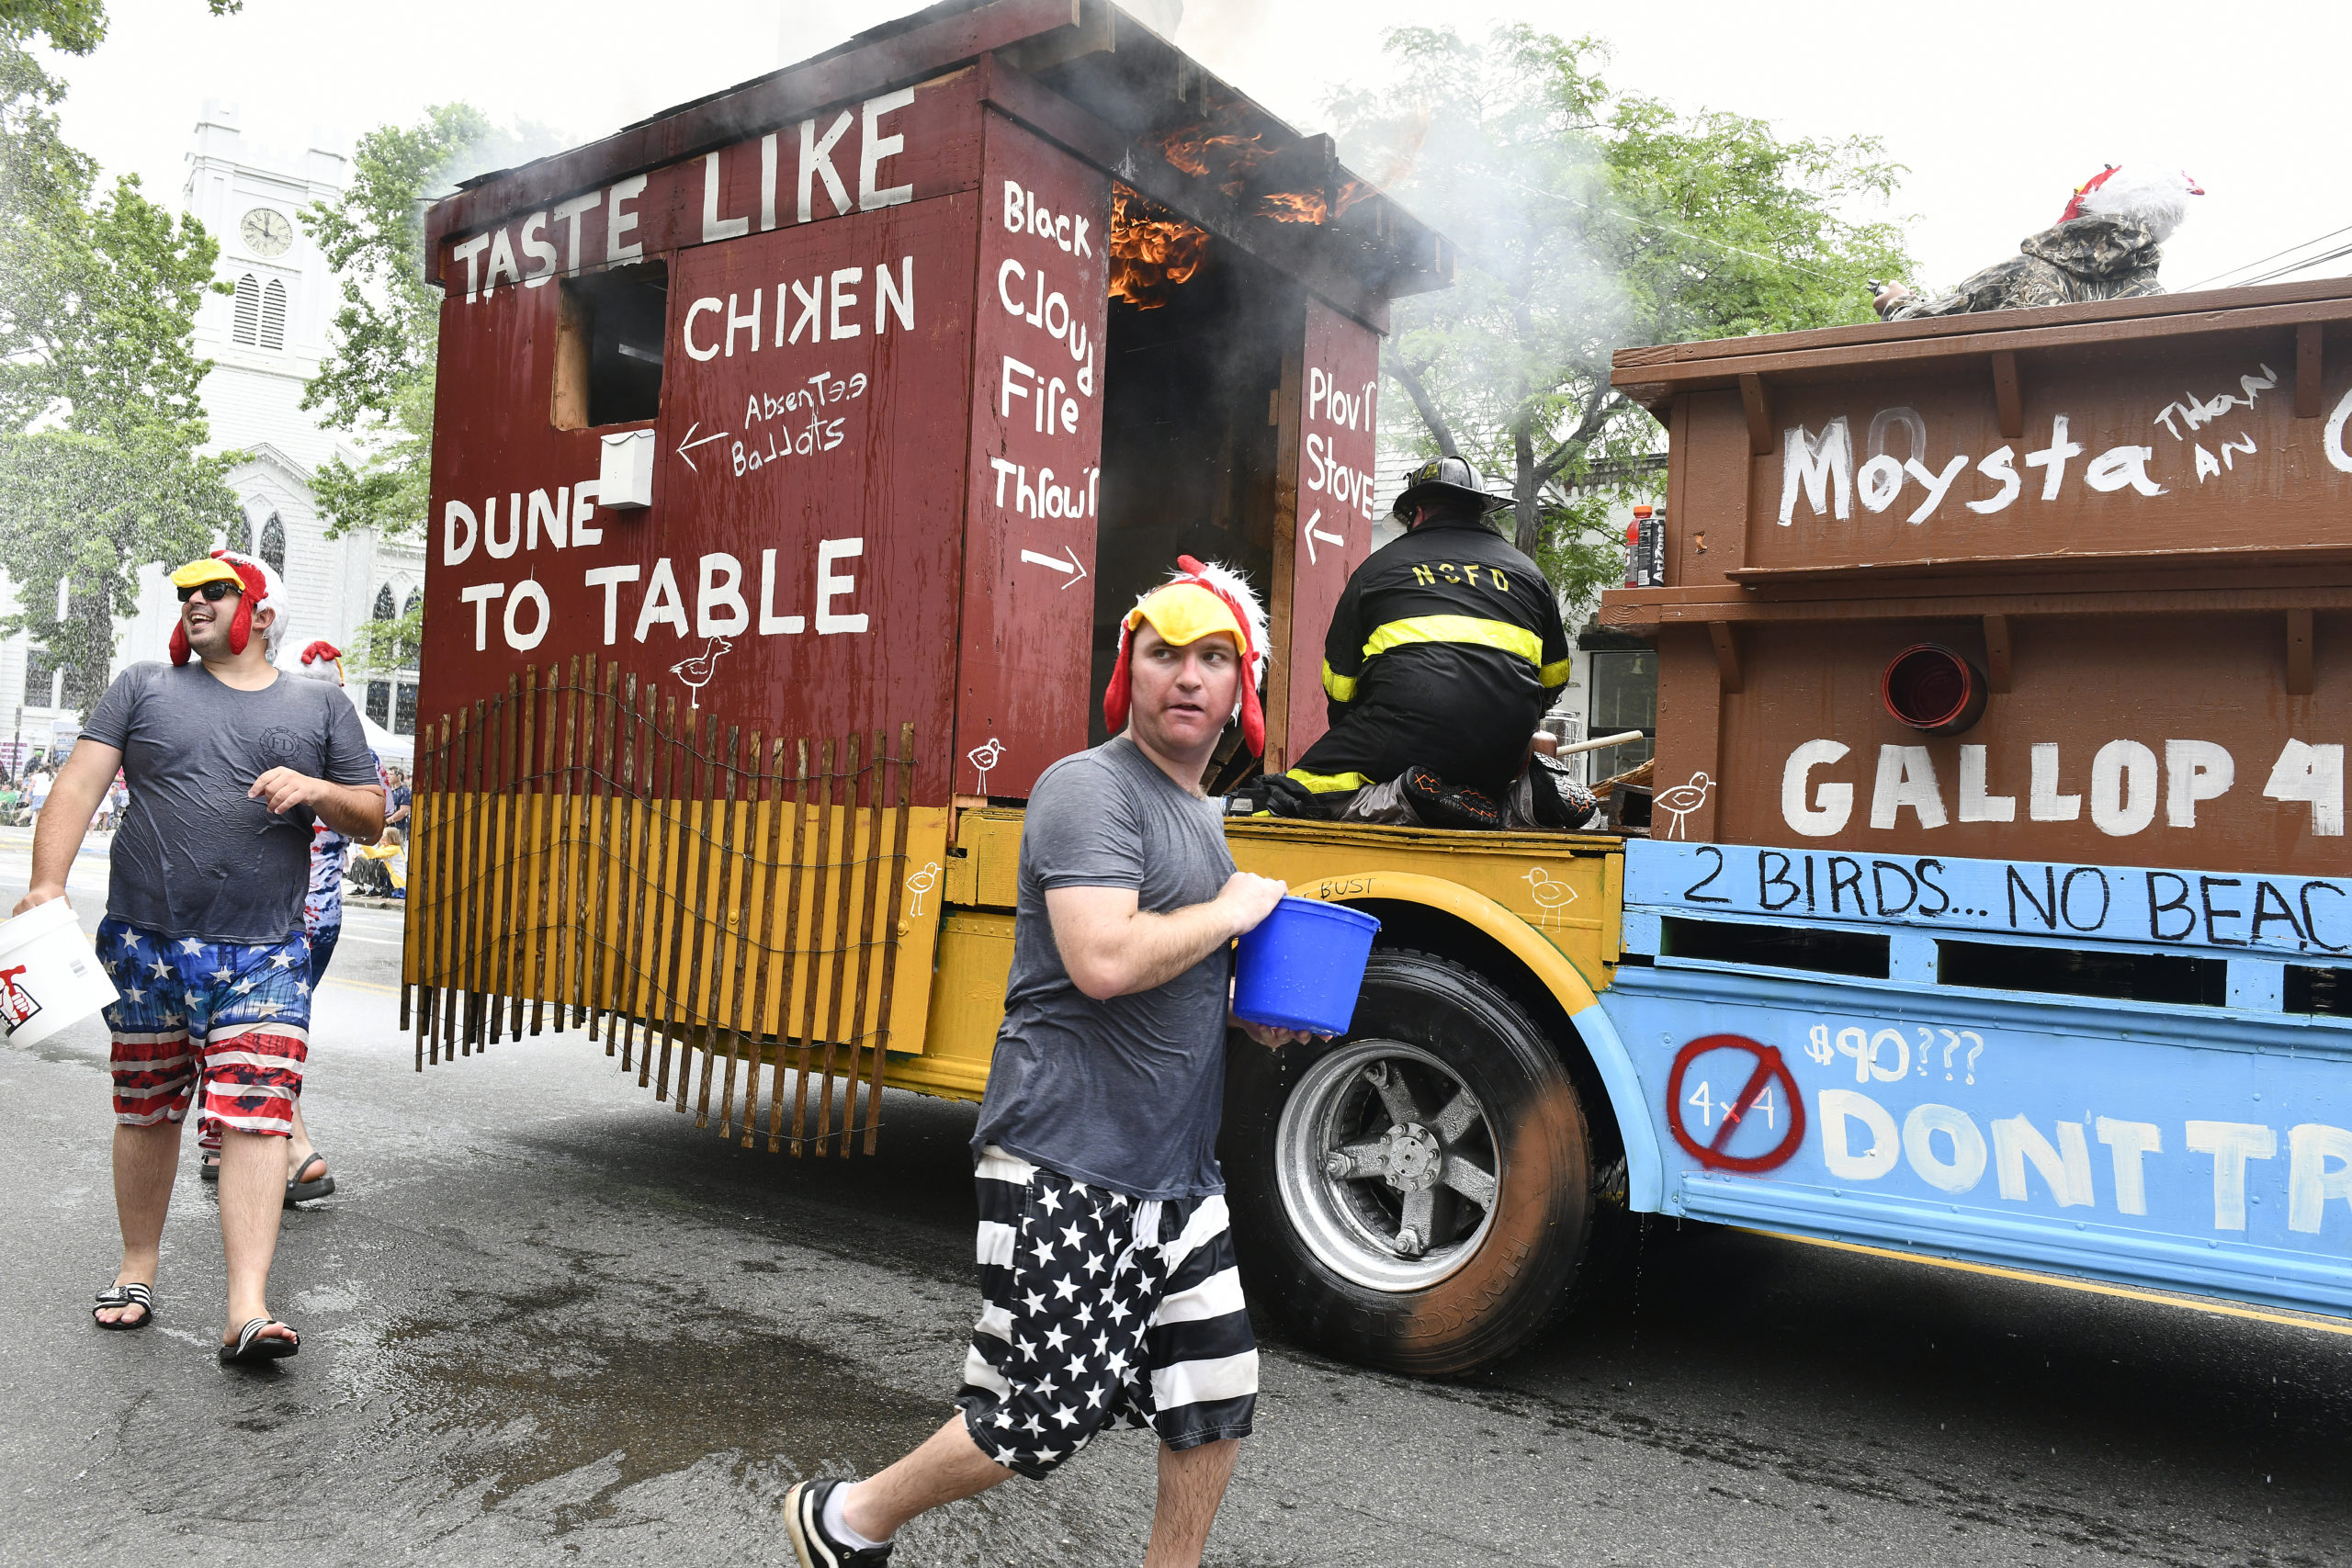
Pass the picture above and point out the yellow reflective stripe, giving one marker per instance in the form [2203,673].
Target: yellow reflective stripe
[1554,674]
[1457,629]
[1328,784]
[1340,688]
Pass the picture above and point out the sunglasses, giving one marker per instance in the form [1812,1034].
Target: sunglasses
[214,592]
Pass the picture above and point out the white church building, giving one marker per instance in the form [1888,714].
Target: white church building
[266,341]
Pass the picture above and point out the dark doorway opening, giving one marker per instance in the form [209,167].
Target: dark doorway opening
[1192,444]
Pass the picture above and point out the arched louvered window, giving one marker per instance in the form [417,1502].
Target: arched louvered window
[273,545]
[384,611]
[244,324]
[239,536]
[273,315]
[408,649]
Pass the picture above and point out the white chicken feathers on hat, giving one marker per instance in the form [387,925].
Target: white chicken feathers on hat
[2156,199]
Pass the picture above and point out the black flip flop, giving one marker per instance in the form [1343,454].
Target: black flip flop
[208,1165]
[134,1294]
[250,1348]
[300,1192]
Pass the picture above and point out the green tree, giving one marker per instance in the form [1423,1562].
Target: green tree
[100,421]
[1586,220]
[379,379]
[74,26]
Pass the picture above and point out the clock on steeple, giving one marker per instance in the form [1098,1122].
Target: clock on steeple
[266,231]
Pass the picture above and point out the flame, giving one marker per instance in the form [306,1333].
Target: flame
[1199,149]
[1293,207]
[1215,150]
[1152,250]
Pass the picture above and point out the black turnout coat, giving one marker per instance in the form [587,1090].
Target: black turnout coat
[1445,651]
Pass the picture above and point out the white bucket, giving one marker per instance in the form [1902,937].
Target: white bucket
[49,977]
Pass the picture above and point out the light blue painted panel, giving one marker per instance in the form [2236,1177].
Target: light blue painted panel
[2305,920]
[1645,1169]
[2203,1150]
[2258,984]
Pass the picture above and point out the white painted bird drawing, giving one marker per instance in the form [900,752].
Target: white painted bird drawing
[695,673]
[984,757]
[920,883]
[1551,895]
[1680,801]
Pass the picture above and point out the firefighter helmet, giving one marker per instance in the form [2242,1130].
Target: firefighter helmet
[1443,480]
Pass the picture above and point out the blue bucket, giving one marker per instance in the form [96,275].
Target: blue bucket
[1301,966]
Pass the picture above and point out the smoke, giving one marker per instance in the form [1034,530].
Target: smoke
[1493,144]
[499,147]
[1165,17]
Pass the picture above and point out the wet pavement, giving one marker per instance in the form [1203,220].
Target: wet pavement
[547,1320]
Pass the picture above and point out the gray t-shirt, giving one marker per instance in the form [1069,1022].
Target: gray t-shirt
[195,857]
[1124,1094]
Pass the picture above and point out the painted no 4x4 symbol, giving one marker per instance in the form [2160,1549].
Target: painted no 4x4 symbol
[1770,1073]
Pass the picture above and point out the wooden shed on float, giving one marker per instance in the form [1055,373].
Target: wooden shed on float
[867,391]
[795,453]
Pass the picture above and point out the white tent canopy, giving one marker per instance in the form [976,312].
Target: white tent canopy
[392,751]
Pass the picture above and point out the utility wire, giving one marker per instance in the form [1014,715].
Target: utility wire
[2297,266]
[2247,266]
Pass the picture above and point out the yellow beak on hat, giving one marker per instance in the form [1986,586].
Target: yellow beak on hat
[196,573]
[1184,612]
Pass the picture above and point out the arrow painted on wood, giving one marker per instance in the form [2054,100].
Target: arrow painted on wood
[1065,566]
[1308,533]
[690,441]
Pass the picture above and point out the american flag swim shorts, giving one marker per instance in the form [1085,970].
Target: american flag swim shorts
[233,1018]
[1099,1305]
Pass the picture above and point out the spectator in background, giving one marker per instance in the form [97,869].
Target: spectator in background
[307,1176]
[396,803]
[36,793]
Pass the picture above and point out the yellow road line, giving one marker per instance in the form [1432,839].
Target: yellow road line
[2192,1303]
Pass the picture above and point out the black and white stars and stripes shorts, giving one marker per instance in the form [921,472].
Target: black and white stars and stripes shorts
[1098,1305]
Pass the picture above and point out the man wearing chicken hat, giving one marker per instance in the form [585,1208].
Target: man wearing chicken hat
[2106,244]
[1107,1274]
[230,761]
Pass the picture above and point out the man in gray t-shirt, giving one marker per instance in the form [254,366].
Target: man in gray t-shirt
[1106,1272]
[229,763]
[1122,1091]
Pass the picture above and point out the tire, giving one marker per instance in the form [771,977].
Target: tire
[1327,1164]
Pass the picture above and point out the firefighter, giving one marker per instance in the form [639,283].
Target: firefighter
[1445,651]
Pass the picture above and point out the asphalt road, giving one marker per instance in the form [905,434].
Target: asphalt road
[547,1321]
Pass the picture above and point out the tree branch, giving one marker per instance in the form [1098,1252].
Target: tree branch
[1405,377]
[1600,409]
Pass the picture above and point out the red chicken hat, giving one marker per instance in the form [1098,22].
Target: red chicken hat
[325,660]
[1199,599]
[258,591]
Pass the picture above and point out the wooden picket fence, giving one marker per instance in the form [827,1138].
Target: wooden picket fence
[672,886]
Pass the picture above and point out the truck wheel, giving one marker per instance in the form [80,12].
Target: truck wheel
[1417,1195]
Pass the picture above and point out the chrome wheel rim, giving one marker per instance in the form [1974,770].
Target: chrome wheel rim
[1387,1166]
